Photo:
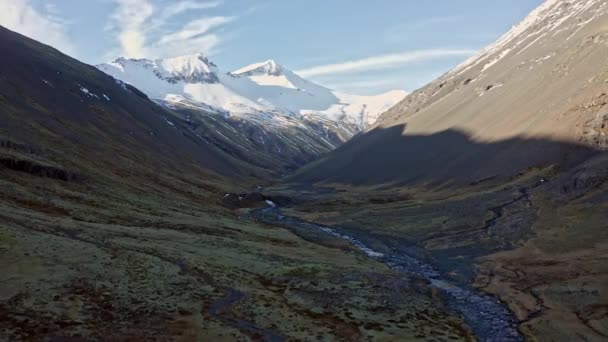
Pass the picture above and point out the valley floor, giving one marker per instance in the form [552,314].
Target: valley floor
[538,242]
[156,256]
[169,258]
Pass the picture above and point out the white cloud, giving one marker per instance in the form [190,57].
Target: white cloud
[383,62]
[206,43]
[195,29]
[130,17]
[48,28]
[139,23]
[185,6]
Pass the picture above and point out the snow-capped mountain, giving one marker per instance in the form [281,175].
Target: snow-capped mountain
[263,90]
[264,113]
[287,90]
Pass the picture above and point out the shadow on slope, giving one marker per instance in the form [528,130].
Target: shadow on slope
[390,156]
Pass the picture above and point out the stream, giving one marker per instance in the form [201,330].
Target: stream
[487,317]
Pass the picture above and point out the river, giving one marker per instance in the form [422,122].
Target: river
[487,317]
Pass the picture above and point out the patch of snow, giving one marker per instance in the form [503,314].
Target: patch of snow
[169,122]
[121,84]
[496,60]
[87,92]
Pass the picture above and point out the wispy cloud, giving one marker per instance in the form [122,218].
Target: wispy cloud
[130,17]
[185,6]
[139,24]
[382,62]
[21,16]
[195,29]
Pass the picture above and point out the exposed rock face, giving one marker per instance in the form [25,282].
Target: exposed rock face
[595,130]
[582,179]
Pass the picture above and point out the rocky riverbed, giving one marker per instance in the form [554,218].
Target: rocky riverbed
[487,317]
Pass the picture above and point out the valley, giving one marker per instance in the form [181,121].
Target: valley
[167,200]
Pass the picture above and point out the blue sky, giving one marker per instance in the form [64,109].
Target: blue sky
[359,46]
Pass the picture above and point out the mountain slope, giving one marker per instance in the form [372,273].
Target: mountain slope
[544,79]
[51,102]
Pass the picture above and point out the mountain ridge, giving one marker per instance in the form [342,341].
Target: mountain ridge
[260,87]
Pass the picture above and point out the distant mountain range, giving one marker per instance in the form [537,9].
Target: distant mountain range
[262,91]
[263,113]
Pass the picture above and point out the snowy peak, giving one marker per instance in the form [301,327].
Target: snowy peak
[191,69]
[268,68]
[272,74]
[188,69]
